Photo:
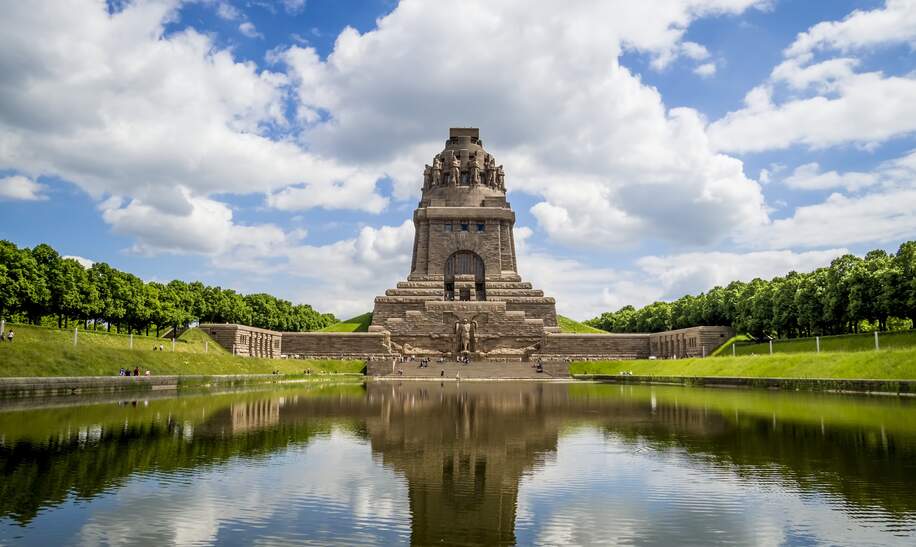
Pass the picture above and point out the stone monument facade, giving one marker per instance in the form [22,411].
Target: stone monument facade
[463,294]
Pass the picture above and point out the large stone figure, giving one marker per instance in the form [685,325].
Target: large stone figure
[501,178]
[473,171]
[436,172]
[427,177]
[465,333]
[490,173]
[454,170]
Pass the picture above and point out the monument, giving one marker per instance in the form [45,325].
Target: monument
[463,295]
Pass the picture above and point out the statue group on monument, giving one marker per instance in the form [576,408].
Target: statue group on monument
[446,171]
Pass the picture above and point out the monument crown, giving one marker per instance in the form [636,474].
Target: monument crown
[464,164]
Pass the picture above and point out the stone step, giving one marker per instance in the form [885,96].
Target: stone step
[521,299]
[514,292]
[484,369]
[437,292]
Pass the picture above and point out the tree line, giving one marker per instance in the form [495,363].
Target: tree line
[853,293]
[39,286]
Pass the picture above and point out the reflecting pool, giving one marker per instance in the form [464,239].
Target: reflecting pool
[469,463]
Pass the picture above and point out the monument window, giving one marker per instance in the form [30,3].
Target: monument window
[448,227]
[481,227]
[465,226]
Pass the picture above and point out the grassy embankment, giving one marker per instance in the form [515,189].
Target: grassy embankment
[890,364]
[571,326]
[40,351]
[842,343]
[360,323]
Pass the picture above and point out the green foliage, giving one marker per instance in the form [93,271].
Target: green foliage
[37,283]
[899,364]
[851,295]
[41,351]
[568,325]
[360,323]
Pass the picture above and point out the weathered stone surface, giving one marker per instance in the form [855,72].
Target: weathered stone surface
[463,291]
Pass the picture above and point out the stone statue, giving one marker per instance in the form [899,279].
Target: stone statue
[454,170]
[427,177]
[465,334]
[501,178]
[474,171]
[436,172]
[490,173]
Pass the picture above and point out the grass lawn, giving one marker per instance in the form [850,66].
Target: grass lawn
[568,325]
[360,323]
[40,351]
[891,364]
[844,342]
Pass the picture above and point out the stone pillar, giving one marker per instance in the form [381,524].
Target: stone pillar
[421,247]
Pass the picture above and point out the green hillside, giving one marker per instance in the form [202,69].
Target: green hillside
[571,326]
[41,351]
[892,364]
[360,323]
[841,343]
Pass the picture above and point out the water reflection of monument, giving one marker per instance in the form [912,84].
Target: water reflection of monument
[463,450]
[252,415]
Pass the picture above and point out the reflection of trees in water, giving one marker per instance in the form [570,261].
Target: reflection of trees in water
[462,448]
[41,474]
[863,467]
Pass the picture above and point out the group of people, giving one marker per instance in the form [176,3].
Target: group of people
[160,347]
[8,336]
[128,372]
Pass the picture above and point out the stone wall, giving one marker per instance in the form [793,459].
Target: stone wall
[244,340]
[336,345]
[690,342]
[585,347]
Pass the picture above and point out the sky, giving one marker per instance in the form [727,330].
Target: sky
[651,149]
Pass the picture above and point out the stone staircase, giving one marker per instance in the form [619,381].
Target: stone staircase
[492,370]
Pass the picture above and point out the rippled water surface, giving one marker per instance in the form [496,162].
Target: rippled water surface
[469,463]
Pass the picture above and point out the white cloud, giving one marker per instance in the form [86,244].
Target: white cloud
[810,177]
[17,187]
[294,6]
[695,51]
[705,70]
[583,291]
[84,262]
[895,23]
[248,29]
[206,227]
[227,11]
[582,125]
[691,273]
[844,106]
[161,119]
[868,108]
[347,275]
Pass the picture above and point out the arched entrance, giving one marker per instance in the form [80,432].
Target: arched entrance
[464,263]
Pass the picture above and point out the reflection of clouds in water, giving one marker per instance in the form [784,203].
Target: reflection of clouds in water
[325,489]
[596,481]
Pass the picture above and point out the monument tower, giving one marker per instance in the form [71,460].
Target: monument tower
[464,293]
